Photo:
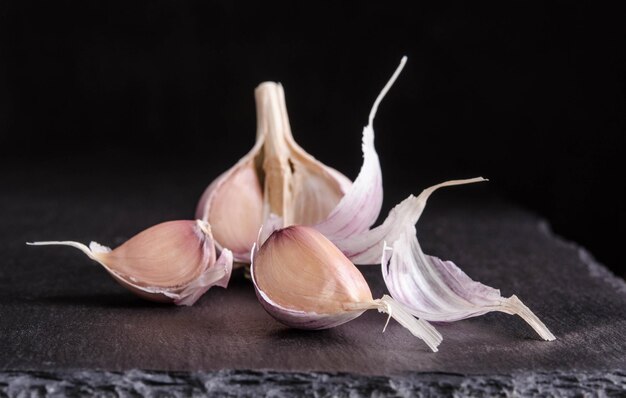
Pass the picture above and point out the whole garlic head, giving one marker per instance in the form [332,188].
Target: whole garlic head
[276,177]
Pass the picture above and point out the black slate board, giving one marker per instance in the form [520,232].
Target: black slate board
[67,327]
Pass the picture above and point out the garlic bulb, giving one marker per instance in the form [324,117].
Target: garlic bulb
[277,177]
[428,287]
[305,282]
[170,262]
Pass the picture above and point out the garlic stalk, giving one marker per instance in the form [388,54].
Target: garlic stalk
[305,282]
[173,261]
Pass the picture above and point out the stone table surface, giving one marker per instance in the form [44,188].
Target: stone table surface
[67,327]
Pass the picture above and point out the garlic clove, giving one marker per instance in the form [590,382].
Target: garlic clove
[233,205]
[304,281]
[240,191]
[173,261]
[336,281]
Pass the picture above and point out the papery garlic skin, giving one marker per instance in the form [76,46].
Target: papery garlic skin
[360,207]
[438,290]
[428,287]
[305,282]
[366,247]
[173,261]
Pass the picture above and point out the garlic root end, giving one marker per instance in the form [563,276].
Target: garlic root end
[514,306]
[418,327]
[83,248]
[385,90]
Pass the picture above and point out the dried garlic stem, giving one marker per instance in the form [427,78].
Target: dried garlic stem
[418,327]
[514,306]
[271,125]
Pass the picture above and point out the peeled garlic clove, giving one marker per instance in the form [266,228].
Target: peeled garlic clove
[170,262]
[305,282]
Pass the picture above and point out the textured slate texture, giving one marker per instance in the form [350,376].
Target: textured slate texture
[65,324]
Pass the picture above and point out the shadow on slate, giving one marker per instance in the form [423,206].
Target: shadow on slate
[66,326]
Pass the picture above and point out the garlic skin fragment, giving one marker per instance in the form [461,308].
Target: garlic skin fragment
[428,287]
[305,282]
[173,261]
[276,177]
[359,208]
[440,291]
[365,247]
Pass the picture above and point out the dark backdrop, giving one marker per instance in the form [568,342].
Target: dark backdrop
[530,95]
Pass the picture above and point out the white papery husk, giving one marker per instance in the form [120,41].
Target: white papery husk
[430,288]
[438,290]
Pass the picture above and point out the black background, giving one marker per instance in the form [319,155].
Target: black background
[530,95]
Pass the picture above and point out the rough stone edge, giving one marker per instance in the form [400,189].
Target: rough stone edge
[141,383]
[596,269]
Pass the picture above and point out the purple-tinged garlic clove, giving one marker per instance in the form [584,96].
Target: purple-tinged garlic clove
[305,282]
[173,261]
[234,208]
